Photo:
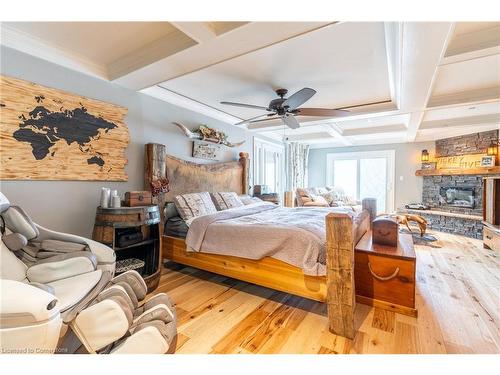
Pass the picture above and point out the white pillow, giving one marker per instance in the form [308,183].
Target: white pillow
[193,205]
[224,200]
[247,199]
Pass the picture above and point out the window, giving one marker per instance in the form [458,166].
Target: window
[268,165]
[364,175]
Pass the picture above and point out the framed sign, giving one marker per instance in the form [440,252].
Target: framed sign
[207,150]
[488,161]
[459,162]
[429,165]
[49,134]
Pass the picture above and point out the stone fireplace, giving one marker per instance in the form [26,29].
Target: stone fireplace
[456,201]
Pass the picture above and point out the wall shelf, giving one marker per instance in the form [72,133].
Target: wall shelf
[455,172]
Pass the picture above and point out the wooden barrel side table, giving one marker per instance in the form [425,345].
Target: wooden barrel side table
[142,226]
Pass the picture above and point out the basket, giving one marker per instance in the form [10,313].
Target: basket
[129,264]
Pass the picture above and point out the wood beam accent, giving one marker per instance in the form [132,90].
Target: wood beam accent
[340,299]
[456,172]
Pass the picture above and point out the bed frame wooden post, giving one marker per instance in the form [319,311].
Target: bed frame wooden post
[245,162]
[370,204]
[340,294]
[155,167]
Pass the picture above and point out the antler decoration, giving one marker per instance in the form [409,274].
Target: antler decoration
[204,133]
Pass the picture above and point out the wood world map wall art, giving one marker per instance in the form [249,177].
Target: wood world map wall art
[49,134]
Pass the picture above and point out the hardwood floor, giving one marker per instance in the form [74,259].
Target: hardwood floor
[457,299]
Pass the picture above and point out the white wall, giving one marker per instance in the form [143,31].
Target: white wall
[408,187]
[70,205]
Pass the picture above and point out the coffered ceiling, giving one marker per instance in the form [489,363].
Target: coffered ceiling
[401,82]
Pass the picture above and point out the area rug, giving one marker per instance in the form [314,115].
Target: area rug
[425,240]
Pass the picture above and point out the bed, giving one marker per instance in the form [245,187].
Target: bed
[334,285]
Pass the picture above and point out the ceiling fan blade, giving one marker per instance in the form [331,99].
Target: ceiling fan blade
[290,121]
[299,98]
[245,105]
[270,118]
[322,112]
[250,119]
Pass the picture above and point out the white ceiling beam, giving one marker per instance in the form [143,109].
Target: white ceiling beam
[336,132]
[241,40]
[201,32]
[424,47]
[164,47]
[394,48]
[190,104]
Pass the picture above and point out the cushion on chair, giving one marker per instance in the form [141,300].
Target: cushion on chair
[71,290]
[11,268]
[62,266]
[19,222]
[62,246]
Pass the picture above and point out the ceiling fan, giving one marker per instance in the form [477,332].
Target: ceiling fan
[288,108]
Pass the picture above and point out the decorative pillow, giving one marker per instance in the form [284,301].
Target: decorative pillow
[247,199]
[193,205]
[318,199]
[329,197]
[224,200]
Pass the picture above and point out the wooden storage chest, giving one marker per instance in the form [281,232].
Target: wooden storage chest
[384,275]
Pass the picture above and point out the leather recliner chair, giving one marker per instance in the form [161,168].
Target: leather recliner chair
[50,279]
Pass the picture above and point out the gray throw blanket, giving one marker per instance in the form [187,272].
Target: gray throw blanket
[293,235]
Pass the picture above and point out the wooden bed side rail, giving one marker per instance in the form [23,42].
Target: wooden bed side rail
[341,238]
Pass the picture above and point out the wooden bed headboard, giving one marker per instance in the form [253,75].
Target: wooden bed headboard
[189,177]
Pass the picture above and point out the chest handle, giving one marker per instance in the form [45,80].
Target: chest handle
[383,278]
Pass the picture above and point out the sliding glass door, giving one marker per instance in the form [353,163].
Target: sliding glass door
[364,175]
[268,165]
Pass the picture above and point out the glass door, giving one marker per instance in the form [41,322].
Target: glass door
[268,165]
[364,175]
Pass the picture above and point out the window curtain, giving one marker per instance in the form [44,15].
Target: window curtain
[296,161]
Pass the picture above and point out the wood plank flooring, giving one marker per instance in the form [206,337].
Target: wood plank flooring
[458,303]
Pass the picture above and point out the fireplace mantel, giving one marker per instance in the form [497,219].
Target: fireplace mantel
[458,172]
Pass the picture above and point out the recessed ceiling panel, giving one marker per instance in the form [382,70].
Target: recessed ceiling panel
[345,63]
[468,75]
[100,42]
[462,111]
[373,122]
